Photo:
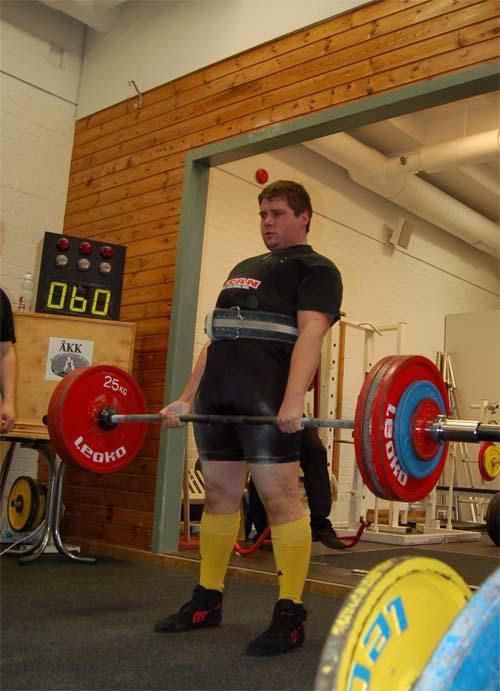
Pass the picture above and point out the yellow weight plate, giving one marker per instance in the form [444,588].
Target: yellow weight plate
[22,503]
[40,512]
[390,625]
[491,461]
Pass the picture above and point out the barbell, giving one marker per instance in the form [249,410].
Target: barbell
[97,420]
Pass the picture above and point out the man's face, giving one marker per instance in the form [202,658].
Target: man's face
[279,225]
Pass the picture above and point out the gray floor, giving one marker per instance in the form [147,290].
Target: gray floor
[75,626]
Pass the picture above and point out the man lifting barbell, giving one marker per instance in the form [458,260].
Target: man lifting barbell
[266,334]
[258,365]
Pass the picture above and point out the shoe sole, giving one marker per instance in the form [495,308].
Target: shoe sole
[340,547]
[181,629]
[270,653]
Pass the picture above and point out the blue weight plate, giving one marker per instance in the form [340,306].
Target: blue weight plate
[468,658]
[408,459]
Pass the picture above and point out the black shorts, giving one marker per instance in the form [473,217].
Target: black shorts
[246,377]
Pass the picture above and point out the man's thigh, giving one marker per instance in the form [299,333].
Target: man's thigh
[273,479]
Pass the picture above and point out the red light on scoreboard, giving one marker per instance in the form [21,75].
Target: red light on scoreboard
[85,247]
[63,244]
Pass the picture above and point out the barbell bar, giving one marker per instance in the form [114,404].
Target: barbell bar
[230,420]
[401,424]
[442,429]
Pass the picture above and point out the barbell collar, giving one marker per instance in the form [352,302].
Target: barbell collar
[446,430]
[233,420]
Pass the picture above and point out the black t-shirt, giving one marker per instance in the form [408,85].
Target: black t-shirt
[6,319]
[285,281]
[246,376]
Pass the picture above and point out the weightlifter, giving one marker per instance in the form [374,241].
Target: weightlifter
[7,365]
[265,341]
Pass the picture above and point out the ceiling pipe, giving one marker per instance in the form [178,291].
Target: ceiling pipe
[483,176]
[101,15]
[465,151]
[367,166]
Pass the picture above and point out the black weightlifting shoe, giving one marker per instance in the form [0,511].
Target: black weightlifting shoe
[203,610]
[328,537]
[285,632]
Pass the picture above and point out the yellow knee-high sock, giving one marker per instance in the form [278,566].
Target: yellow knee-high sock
[292,552]
[218,534]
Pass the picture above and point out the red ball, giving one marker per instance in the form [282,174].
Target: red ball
[262,176]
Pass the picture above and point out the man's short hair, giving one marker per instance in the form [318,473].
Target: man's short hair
[296,195]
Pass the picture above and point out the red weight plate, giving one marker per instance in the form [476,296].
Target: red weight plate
[73,418]
[80,438]
[423,443]
[402,373]
[375,481]
[371,433]
[56,419]
[55,423]
[52,423]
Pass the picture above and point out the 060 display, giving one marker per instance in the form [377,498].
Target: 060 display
[75,298]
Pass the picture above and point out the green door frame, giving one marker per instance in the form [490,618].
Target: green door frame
[453,87]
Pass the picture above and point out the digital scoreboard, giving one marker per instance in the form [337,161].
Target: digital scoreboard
[80,277]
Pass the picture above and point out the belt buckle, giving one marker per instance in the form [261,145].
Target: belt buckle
[238,328]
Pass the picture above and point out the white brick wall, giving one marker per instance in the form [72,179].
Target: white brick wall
[38,94]
[437,275]
[36,139]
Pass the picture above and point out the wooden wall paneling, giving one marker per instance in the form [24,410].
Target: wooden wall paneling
[106,532]
[106,177]
[145,361]
[314,59]
[151,327]
[155,344]
[161,181]
[160,236]
[101,514]
[145,214]
[157,196]
[257,55]
[127,177]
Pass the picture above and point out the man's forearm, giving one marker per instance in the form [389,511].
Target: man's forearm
[193,383]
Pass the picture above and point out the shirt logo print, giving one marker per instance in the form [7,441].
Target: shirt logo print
[245,283]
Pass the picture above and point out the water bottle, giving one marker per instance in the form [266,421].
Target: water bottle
[26,296]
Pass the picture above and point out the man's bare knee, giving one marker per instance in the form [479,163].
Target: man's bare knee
[283,507]
[219,500]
